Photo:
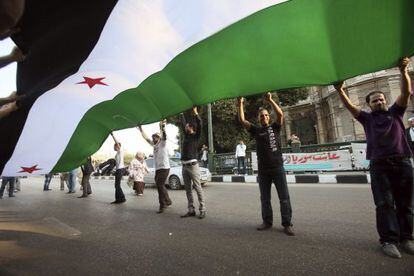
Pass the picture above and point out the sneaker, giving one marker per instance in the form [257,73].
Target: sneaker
[391,250]
[140,194]
[264,226]
[408,246]
[189,214]
[202,214]
[288,231]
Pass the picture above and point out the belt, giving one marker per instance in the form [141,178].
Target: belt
[391,159]
[190,164]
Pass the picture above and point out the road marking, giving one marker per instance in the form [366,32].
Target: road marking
[61,227]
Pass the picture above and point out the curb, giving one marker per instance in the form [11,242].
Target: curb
[291,179]
[301,179]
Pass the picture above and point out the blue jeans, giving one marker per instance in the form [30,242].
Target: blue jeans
[48,178]
[278,177]
[392,188]
[72,180]
[241,164]
[4,181]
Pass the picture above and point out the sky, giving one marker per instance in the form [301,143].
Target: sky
[131,139]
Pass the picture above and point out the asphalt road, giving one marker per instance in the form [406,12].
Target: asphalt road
[53,233]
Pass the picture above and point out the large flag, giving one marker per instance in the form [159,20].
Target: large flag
[99,65]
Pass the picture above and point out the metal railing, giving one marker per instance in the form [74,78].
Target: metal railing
[226,163]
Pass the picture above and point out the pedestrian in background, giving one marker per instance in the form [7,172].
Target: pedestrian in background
[10,181]
[64,180]
[48,178]
[87,169]
[137,170]
[241,158]
[72,181]
[204,156]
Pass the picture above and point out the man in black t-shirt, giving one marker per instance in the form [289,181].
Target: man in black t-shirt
[270,163]
[191,169]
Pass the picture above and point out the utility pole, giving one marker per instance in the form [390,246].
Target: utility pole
[210,129]
[210,139]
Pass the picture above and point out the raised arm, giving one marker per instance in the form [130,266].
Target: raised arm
[198,121]
[246,124]
[113,137]
[275,107]
[406,87]
[339,86]
[15,55]
[144,135]
[162,130]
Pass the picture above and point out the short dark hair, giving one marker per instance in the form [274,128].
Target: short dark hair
[368,97]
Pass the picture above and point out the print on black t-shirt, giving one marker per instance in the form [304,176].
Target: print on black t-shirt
[268,143]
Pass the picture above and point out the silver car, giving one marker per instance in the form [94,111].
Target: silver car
[175,178]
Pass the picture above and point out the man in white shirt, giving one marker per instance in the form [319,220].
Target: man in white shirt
[162,164]
[410,133]
[120,168]
[241,157]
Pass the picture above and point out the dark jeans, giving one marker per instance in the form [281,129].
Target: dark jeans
[392,188]
[277,176]
[241,163]
[119,194]
[4,181]
[48,178]
[160,178]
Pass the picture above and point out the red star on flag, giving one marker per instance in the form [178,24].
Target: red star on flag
[29,169]
[91,82]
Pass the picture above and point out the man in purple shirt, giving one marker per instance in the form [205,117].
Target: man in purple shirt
[390,167]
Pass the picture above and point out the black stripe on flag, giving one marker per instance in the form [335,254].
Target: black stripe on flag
[57,37]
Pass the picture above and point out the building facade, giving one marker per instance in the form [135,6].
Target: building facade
[322,118]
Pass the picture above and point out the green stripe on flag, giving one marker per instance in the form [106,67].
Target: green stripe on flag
[295,44]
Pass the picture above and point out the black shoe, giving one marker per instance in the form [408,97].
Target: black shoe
[82,196]
[118,201]
[263,227]
[47,190]
[189,214]
[202,214]
[12,196]
[161,210]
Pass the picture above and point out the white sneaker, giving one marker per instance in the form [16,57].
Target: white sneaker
[391,250]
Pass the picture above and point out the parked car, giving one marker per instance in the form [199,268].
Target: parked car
[175,178]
